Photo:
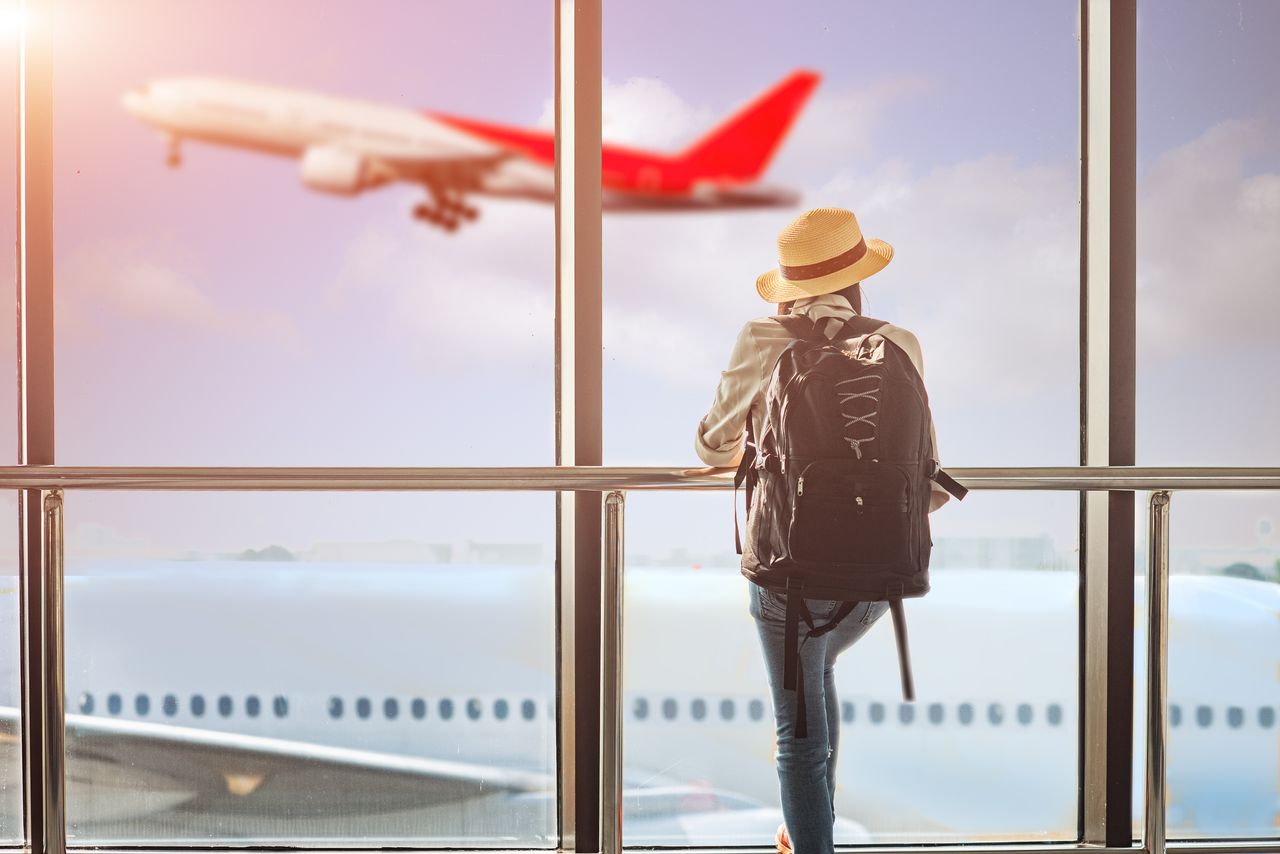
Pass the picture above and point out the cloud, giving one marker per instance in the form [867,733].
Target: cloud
[837,124]
[841,126]
[481,296]
[1208,253]
[644,112]
[139,281]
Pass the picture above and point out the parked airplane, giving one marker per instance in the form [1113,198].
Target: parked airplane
[347,146]
[283,701]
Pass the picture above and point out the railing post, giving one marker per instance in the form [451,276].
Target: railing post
[611,678]
[55,789]
[1157,669]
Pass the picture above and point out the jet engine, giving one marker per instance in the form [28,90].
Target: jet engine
[337,170]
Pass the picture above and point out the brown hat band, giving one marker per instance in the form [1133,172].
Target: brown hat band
[822,268]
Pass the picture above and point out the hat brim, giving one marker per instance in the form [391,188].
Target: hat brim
[773,287]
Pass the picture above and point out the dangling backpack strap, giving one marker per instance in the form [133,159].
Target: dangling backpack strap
[949,483]
[745,475]
[904,654]
[792,671]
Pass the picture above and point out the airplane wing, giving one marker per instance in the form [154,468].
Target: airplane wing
[226,772]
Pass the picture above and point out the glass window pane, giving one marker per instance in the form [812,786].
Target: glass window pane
[1208,213]
[1208,210]
[11,831]
[239,668]
[10,28]
[235,307]
[1224,657]
[919,126]
[971,173]
[994,649]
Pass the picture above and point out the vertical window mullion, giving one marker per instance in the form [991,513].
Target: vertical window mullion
[41,725]
[1108,181]
[578,413]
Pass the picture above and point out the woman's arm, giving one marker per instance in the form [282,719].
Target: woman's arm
[719,438]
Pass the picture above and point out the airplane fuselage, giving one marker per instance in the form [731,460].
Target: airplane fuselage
[458,663]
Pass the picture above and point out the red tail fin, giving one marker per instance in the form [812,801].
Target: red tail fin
[741,146]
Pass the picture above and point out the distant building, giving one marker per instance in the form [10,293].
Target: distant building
[516,553]
[998,553]
[391,551]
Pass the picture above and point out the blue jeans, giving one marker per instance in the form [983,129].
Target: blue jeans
[807,766]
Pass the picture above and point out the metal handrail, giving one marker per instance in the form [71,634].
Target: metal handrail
[587,478]
[615,480]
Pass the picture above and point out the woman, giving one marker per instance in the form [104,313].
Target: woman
[823,258]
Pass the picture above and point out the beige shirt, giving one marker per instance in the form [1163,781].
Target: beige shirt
[740,393]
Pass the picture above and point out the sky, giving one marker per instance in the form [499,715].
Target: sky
[223,314]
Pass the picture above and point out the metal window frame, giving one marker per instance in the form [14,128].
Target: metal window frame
[1108,308]
[579,415]
[1108,127]
[39,578]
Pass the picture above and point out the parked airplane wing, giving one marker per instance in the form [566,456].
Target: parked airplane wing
[227,773]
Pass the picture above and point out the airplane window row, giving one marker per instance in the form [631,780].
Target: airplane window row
[1236,716]
[876,712]
[995,714]
[169,704]
[363,707]
[472,709]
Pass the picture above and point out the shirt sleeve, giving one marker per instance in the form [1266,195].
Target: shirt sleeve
[721,430]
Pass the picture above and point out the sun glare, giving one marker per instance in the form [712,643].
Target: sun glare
[13,19]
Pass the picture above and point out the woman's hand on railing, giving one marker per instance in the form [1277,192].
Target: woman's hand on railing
[709,471]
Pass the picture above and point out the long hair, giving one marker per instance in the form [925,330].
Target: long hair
[853,294]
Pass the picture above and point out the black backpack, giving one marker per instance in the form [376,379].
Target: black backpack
[838,485]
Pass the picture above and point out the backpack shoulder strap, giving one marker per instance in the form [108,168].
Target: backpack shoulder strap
[859,325]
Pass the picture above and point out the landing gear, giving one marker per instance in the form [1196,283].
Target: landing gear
[173,159]
[446,210]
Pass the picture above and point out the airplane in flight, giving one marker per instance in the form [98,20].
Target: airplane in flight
[347,146]
[415,704]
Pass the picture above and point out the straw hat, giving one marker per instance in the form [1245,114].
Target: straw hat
[820,252]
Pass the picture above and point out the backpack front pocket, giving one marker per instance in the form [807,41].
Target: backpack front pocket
[851,513]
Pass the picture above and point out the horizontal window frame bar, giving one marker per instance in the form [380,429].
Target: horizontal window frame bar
[590,478]
[1189,847]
